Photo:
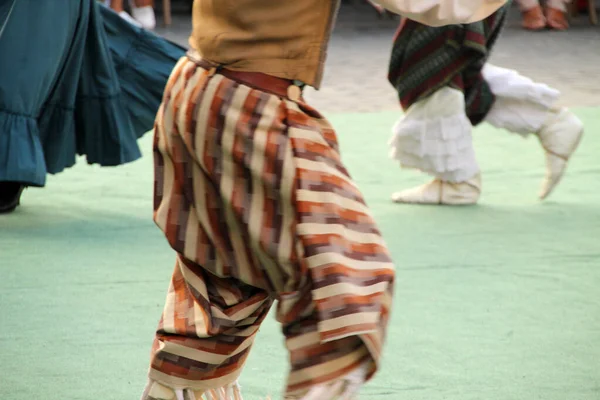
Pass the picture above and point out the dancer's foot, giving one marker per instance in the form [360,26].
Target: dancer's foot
[156,391]
[125,15]
[441,192]
[345,388]
[10,196]
[559,137]
[145,16]
[556,19]
[533,19]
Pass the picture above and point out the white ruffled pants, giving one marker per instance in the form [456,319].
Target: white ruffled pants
[435,135]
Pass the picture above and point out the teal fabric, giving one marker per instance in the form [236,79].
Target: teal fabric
[60,90]
[143,62]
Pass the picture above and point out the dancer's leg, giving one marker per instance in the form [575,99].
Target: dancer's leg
[525,107]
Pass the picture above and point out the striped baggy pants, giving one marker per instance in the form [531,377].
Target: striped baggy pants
[251,193]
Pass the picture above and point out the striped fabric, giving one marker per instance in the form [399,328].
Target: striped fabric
[424,59]
[252,195]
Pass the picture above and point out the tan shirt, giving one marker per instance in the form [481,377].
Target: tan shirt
[288,38]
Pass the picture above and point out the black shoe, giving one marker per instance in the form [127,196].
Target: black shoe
[10,196]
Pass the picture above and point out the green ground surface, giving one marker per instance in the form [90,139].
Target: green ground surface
[497,301]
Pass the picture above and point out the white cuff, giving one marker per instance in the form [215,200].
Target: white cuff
[435,136]
[521,105]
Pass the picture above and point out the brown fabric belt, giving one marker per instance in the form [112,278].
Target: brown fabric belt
[267,83]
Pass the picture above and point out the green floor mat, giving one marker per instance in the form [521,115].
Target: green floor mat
[498,301]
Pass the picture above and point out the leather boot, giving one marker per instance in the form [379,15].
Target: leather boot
[533,19]
[10,196]
[556,19]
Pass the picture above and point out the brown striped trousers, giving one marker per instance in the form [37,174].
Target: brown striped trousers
[251,193]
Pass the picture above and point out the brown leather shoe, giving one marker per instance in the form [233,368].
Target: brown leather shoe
[533,19]
[556,19]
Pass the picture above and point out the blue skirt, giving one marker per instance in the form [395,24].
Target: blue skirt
[75,79]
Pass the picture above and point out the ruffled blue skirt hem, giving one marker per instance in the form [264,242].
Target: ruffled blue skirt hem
[93,91]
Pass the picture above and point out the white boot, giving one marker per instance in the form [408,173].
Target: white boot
[442,192]
[559,137]
[145,16]
[523,106]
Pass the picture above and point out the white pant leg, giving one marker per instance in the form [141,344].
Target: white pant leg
[522,106]
[435,136]
[558,4]
[527,4]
